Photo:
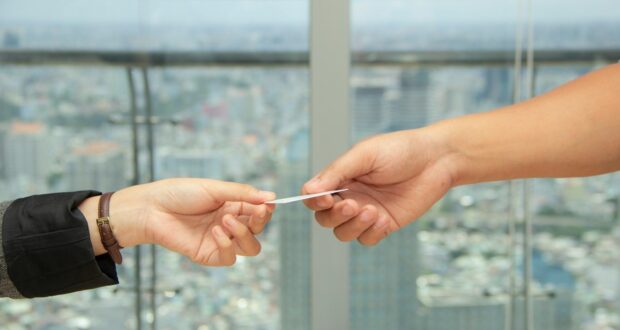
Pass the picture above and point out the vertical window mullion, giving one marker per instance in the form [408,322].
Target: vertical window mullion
[330,136]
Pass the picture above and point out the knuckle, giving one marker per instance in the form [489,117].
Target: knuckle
[231,261]
[200,260]
[257,229]
[322,219]
[256,250]
[311,205]
[243,232]
[248,187]
[226,245]
[368,241]
[195,259]
[261,220]
[341,236]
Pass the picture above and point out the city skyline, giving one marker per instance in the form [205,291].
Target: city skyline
[66,128]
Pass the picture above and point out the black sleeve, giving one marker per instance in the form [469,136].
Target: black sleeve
[47,246]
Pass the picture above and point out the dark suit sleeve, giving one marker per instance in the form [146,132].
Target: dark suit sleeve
[47,247]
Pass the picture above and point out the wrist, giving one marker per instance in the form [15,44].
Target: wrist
[127,219]
[128,216]
[448,152]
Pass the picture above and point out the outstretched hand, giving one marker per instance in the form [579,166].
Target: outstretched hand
[392,180]
[209,221]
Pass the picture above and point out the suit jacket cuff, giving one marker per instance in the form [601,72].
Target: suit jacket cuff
[47,247]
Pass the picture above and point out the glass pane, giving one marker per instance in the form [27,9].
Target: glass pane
[576,25]
[55,135]
[454,262]
[424,25]
[575,237]
[247,124]
[575,220]
[212,25]
[243,125]
[450,269]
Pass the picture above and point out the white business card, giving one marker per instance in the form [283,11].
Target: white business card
[302,197]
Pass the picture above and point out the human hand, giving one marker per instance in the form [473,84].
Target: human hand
[392,180]
[209,221]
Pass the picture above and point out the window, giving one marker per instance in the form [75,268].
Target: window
[452,268]
[67,127]
[224,88]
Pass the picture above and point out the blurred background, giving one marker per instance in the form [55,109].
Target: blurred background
[105,94]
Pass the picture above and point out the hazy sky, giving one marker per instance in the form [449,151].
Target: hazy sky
[287,12]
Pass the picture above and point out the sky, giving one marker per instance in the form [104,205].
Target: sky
[296,12]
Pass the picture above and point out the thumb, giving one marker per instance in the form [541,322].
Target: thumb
[223,191]
[355,163]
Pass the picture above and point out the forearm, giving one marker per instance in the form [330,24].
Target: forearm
[571,131]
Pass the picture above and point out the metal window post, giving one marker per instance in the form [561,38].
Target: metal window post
[151,177]
[330,136]
[134,181]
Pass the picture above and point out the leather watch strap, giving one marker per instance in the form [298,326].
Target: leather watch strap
[105,230]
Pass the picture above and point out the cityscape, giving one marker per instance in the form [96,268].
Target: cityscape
[66,128]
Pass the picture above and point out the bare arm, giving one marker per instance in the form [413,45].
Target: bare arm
[395,178]
[573,130]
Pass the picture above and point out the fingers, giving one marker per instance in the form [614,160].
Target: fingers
[341,212]
[226,249]
[354,228]
[257,224]
[323,202]
[356,162]
[255,216]
[231,191]
[374,234]
[243,237]
[319,203]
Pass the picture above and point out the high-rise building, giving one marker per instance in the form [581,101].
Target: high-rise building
[370,110]
[99,165]
[383,283]
[450,310]
[414,106]
[27,153]
[383,279]
[295,225]
[496,85]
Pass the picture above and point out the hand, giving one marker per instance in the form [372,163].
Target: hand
[392,180]
[209,221]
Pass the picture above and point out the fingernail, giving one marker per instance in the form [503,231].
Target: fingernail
[347,210]
[267,195]
[262,213]
[218,231]
[381,223]
[323,203]
[229,221]
[366,216]
[258,220]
